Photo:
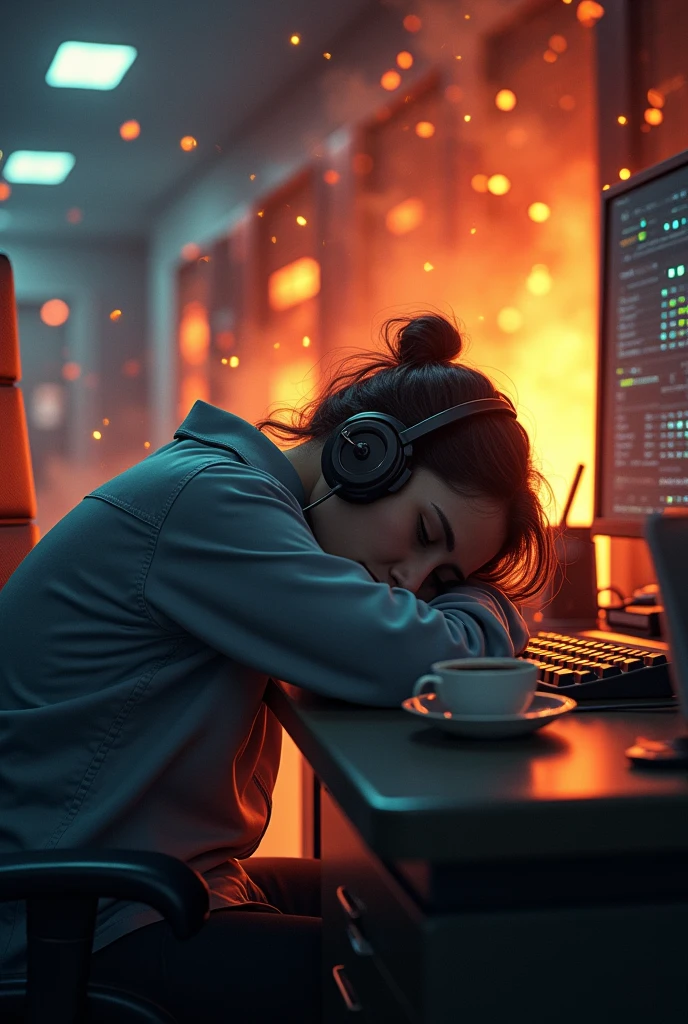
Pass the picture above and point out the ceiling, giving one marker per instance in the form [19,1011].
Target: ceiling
[203,68]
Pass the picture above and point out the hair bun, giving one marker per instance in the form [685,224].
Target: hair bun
[425,339]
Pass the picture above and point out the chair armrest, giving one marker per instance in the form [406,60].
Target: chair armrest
[161,881]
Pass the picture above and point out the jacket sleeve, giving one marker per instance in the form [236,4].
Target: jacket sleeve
[237,566]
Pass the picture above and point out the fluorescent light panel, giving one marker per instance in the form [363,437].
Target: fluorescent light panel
[89,65]
[31,167]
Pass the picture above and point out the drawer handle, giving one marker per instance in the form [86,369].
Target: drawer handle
[359,944]
[349,904]
[346,989]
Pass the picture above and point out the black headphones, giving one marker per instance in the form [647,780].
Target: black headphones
[367,456]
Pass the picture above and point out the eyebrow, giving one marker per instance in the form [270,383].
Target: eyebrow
[448,535]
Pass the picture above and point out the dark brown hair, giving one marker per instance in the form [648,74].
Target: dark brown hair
[486,455]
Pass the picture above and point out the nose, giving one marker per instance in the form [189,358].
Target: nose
[412,575]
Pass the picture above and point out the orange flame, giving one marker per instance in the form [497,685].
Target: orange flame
[406,216]
[294,283]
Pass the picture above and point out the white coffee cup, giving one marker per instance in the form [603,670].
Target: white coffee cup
[481,686]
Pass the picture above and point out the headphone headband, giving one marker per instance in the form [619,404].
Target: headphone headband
[457,412]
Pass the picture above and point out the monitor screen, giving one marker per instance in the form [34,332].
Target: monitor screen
[642,411]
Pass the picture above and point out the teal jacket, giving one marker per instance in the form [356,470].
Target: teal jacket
[136,641]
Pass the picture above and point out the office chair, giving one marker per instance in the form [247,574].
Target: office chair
[62,888]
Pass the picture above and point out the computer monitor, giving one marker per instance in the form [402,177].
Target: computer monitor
[642,396]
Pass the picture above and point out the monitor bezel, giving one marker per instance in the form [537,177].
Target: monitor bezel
[602,525]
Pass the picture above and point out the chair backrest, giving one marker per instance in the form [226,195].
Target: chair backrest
[18,532]
[61,889]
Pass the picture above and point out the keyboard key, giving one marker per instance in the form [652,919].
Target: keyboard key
[584,676]
[603,670]
[562,677]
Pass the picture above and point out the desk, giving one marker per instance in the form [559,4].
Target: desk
[537,879]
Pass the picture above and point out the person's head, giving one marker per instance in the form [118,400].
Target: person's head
[474,478]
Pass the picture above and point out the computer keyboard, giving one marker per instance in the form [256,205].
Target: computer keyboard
[598,670]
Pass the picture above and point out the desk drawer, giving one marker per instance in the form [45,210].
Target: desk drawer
[370,925]
[355,990]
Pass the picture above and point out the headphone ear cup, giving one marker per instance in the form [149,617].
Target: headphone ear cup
[383,470]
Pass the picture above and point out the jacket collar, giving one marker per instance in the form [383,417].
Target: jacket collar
[218,428]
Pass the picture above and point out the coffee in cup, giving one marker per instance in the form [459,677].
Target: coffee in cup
[481,686]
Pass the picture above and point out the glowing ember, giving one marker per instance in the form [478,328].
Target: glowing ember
[425,129]
[622,119]
[97,434]
[558,44]
[539,281]
[54,312]
[404,217]
[274,239]
[539,212]
[405,60]
[466,117]
[550,56]
[295,39]
[331,177]
[106,423]
[188,143]
[251,177]
[391,80]
[428,266]
[130,130]
[302,221]
[327,56]
[116,314]
[509,319]
[146,444]
[505,99]
[234,361]
[624,173]
[653,115]
[655,98]
[498,184]
[479,182]
[5,191]
[589,13]
[305,341]
[412,23]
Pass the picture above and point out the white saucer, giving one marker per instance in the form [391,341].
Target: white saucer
[543,709]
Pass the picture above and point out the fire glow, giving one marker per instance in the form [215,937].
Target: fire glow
[294,283]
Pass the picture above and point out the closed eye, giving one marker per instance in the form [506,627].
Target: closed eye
[424,539]
[422,532]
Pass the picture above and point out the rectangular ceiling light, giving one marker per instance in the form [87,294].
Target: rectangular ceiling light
[89,65]
[31,167]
